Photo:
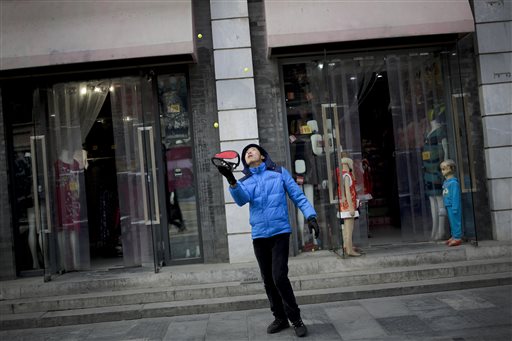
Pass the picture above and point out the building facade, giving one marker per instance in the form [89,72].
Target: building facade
[112,111]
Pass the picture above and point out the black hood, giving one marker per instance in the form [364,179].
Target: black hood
[268,161]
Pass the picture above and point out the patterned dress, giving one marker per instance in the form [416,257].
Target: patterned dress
[68,195]
[343,200]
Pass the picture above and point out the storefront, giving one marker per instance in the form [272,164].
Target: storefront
[398,94]
[87,168]
[398,114]
[100,154]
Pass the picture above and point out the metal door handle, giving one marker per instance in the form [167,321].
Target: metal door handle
[327,146]
[147,219]
[36,186]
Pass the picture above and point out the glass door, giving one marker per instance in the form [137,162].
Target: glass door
[178,196]
[431,106]
[41,191]
[95,175]
[398,115]
[60,210]
[135,136]
[418,108]
[323,125]
[466,124]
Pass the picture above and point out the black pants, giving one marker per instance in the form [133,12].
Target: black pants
[272,256]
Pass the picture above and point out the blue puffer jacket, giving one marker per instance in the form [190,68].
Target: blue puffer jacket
[264,189]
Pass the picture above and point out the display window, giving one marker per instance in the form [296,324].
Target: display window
[396,115]
[87,160]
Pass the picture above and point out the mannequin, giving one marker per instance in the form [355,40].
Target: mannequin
[452,202]
[347,204]
[68,208]
[435,150]
[25,202]
[300,169]
[303,149]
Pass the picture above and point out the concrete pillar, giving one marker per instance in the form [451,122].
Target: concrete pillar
[493,21]
[236,104]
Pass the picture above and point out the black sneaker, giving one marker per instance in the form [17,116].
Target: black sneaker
[300,328]
[277,326]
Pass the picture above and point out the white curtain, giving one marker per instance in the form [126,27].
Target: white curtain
[90,100]
[73,107]
[77,104]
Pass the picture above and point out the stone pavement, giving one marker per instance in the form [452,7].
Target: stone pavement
[464,315]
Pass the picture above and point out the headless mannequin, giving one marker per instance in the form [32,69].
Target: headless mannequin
[348,221]
[304,168]
[308,192]
[24,170]
[437,209]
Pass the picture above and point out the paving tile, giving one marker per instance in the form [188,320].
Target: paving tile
[490,317]
[149,330]
[227,326]
[432,313]
[315,315]
[186,330]
[464,301]
[385,307]
[500,298]
[404,325]
[111,330]
[423,302]
[475,333]
[354,322]
[447,322]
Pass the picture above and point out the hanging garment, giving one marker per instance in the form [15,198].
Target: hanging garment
[68,195]
[367,177]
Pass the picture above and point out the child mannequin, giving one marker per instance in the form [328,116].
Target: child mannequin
[348,205]
[452,202]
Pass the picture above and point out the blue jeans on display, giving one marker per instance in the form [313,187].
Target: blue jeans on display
[272,256]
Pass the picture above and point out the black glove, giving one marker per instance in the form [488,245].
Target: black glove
[313,225]
[226,172]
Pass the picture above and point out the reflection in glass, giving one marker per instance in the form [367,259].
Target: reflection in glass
[177,153]
[28,243]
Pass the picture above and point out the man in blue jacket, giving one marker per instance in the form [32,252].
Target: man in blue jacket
[264,187]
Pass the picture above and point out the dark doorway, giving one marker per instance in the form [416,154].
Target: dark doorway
[378,146]
[102,196]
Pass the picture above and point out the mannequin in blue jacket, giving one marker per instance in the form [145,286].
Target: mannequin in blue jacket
[264,187]
[452,202]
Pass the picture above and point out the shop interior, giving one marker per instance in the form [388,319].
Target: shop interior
[378,148]
[103,211]
[364,106]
